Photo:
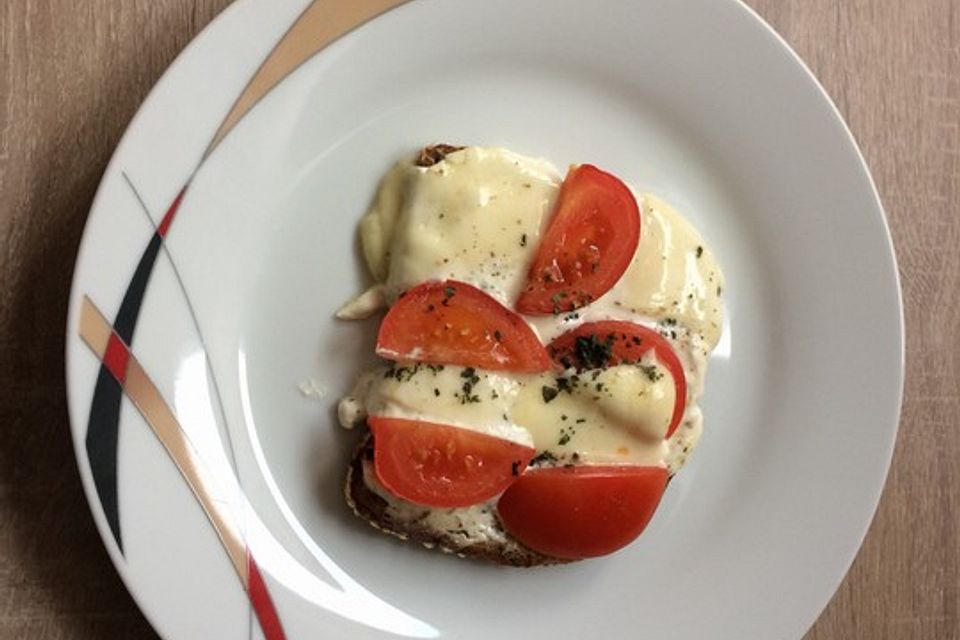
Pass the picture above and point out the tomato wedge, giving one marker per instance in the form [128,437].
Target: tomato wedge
[581,512]
[438,465]
[452,322]
[598,345]
[589,244]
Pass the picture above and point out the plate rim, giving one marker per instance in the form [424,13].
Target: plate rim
[182,58]
[864,168]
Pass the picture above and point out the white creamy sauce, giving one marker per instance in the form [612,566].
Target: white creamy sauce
[476,523]
[477,216]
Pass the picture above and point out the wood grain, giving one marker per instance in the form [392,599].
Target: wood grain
[71,77]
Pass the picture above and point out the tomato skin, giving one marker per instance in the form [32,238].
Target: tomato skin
[443,466]
[587,247]
[452,322]
[585,348]
[581,512]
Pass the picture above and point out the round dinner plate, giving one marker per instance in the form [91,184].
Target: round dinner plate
[204,362]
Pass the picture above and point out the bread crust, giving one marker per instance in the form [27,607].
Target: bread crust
[434,153]
[373,508]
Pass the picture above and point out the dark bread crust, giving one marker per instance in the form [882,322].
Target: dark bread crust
[376,511]
[434,153]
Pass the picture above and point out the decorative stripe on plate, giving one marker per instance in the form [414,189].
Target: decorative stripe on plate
[321,23]
[104,423]
[132,380]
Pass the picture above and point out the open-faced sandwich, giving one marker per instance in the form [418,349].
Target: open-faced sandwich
[545,346]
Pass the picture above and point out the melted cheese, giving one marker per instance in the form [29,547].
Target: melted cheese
[672,275]
[673,280]
[614,415]
[617,415]
[477,216]
[467,398]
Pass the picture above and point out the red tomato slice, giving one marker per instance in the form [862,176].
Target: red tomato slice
[437,465]
[454,323]
[589,244]
[581,512]
[598,345]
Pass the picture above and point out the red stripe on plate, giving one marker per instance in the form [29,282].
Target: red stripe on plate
[171,212]
[262,602]
[116,358]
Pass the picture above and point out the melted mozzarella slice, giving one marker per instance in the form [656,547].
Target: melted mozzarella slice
[617,415]
[459,396]
[673,274]
[476,217]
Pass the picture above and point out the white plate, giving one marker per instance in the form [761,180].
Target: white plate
[698,101]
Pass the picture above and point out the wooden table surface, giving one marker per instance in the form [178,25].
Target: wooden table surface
[73,74]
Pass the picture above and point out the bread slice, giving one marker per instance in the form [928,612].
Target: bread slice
[473,532]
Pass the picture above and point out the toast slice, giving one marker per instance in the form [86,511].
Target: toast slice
[473,532]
